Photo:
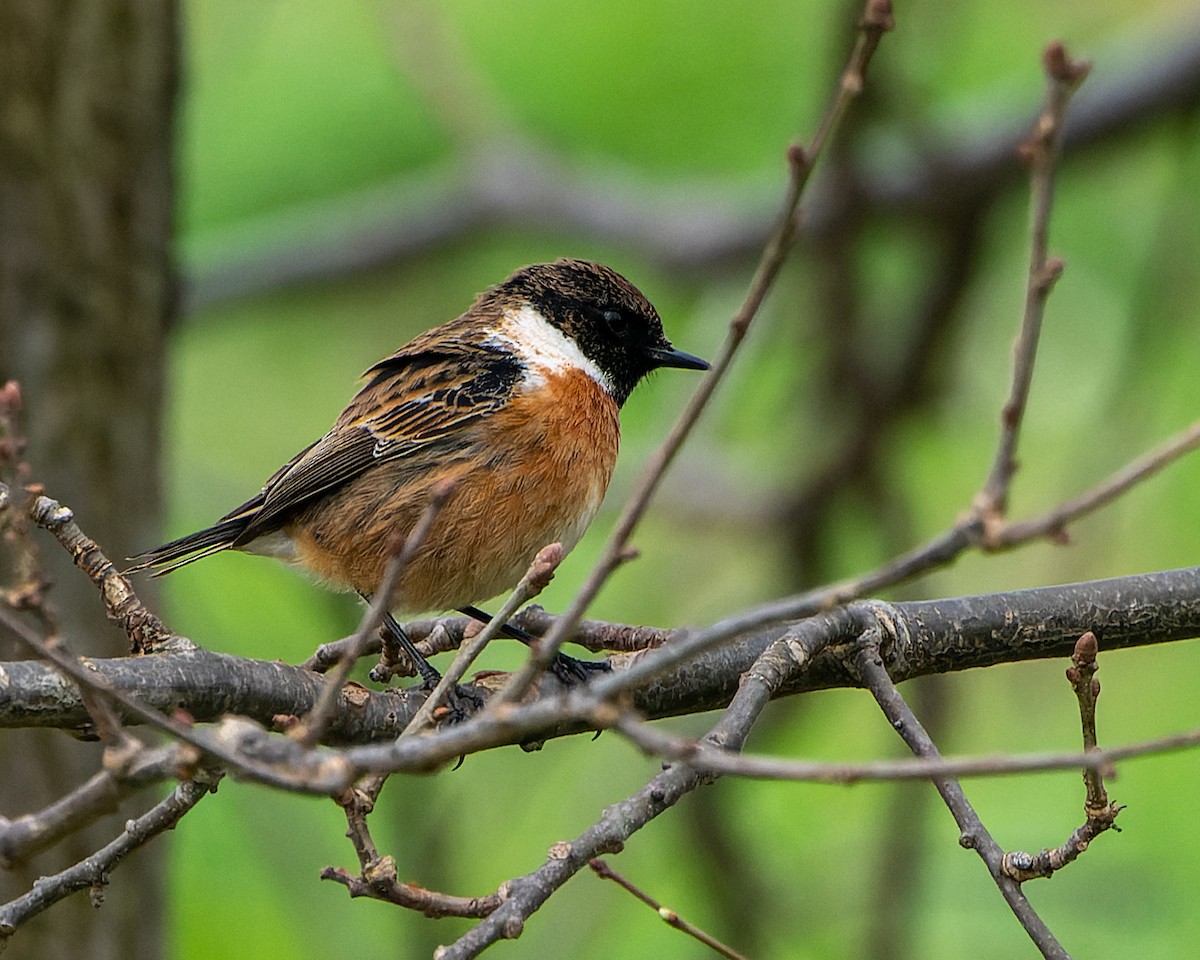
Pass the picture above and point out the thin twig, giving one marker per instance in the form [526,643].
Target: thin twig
[1054,522]
[328,655]
[657,742]
[1099,811]
[672,919]
[146,632]
[876,20]
[101,794]
[973,834]
[1042,150]
[1082,676]
[536,579]
[93,871]
[24,567]
[526,894]
[309,732]
[380,881]
[378,878]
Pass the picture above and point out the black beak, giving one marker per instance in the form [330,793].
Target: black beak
[668,356]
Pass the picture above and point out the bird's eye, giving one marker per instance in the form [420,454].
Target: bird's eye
[616,322]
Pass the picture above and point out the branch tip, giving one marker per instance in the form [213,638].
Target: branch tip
[1061,68]
[878,16]
[1086,648]
[49,513]
[1051,270]
[10,398]
[798,158]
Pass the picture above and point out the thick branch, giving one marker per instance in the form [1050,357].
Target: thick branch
[931,636]
[207,685]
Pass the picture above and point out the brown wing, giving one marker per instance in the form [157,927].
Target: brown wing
[424,394]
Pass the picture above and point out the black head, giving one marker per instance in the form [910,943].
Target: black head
[609,319]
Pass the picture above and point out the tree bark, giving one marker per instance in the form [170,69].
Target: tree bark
[86,287]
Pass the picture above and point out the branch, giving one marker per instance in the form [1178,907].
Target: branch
[526,894]
[1100,812]
[92,872]
[876,20]
[535,580]
[670,917]
[122,776]
[931,637]
[974,835]
[1053,523]
[381,882]
[683,227]
[1042,149]
[146,632]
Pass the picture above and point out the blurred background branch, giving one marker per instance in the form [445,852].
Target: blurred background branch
[502,176]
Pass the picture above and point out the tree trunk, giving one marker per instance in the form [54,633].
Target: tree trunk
[86,287]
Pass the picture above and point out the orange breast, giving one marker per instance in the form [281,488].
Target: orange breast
[530,474]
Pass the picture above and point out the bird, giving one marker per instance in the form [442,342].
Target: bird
[513,406]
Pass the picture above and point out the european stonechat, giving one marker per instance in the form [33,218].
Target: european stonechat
[514,403]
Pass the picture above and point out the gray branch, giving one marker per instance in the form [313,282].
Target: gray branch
[930,637]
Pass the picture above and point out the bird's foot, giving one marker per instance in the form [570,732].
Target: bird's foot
[570,671]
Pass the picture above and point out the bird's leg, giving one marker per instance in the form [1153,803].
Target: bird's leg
[428,672]
[567,669]
[461,702]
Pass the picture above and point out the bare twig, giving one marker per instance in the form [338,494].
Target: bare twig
[536,579]
[1101,814]
[672,919]
[377,876]
[147,633]
[328,655]
[93,871]
[620,821]
[973,835]
[654,741]
[1053,523]
[312,728]
[380,881]
[1042,149]
[1082,676]
[876,20]
[28,591]
[123,774]
[446,633]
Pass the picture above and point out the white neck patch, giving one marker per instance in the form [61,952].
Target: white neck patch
[545,348]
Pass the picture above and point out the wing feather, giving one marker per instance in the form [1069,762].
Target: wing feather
[423,395]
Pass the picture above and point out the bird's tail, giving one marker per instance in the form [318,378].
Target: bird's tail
[179,553]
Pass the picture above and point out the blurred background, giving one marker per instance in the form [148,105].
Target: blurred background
[349,174]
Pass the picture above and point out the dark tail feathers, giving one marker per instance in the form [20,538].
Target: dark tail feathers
[181,552]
